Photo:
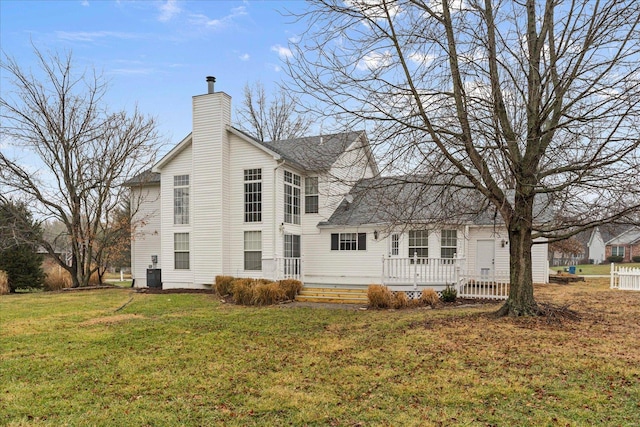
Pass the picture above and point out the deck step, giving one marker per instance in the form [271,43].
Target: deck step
[333,295]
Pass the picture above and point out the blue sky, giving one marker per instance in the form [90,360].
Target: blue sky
[158,53]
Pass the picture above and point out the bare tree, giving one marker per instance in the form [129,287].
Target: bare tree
[522,102]
[80,151]
[271,120]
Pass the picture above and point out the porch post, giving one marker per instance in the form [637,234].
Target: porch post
[415,271]
[382,275]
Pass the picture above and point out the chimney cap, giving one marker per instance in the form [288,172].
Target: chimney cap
[211,79]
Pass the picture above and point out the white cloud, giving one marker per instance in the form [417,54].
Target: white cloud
[374,60]
[168,10]
[421,58]
[282,51]
[244,57]
[215,24]
[84,3]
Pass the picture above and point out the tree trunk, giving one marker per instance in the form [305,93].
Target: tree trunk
[521,301]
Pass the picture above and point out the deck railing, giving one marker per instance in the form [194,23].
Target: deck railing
[419,271]
[625,278]
[288,268]
[486,286]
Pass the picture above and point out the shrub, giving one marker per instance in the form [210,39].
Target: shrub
[4,283]
[267,293]
[449,294]
[223,285]
[429,297]
[615,258]
[636,258]
[290,287]
[56,278]
[400,300]
[379,296]
[242,291]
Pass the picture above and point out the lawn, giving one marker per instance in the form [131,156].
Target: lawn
[115,357]
[596,269]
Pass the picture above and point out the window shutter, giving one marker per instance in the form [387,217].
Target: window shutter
[362,241]
[334,241]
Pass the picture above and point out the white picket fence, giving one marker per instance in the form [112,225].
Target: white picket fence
[625,278]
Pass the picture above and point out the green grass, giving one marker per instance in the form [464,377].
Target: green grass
[595,269]
[73,358]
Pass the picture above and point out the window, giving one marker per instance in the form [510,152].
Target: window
[291,246]
[181,199]
[617,251]
[419,243]
[448,243]
[348,241]
[311,195]
[291,198]
[395,244]
[181,251]
[253,250]
[253,195]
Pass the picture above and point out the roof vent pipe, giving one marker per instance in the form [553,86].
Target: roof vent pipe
[210,82]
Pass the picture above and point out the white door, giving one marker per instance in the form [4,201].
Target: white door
[485,257]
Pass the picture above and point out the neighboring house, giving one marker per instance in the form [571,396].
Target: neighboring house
[596,247]
[223,203]
[626,245]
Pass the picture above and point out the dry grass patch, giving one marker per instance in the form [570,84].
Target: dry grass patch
[110,320]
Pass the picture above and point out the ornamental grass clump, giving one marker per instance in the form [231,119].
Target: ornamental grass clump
[4,283]
[56,278]
[242,291]
[379,296]
[291,288]
[267,293]
[400,300]
[224,285]
[429,297]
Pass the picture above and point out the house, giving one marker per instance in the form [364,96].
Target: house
[223,203]
[625,245]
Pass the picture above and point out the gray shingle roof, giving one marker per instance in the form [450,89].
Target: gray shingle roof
[143,178]
[629,237]
[314,153]
[402,200]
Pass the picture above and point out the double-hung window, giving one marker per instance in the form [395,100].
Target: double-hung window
[253,250]
[419,245]
[181,199]
[291,198]
[253,195]
[448,243]
[181,251]
[348,241]
[311,194]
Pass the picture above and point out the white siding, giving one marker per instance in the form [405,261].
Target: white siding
[145,238]
[181,164]
[246,156]
[352,166]
[540,269]
[321,265]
